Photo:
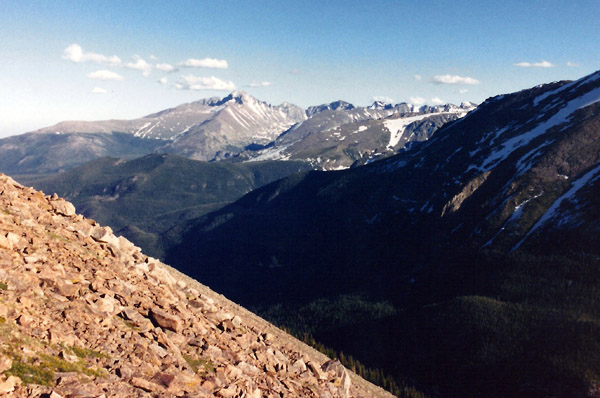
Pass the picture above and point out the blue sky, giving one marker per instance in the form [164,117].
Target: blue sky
[94,60]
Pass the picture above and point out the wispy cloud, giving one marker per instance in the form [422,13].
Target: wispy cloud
[162,80]
[418,77]
[140,65]
[205,63]
[104,74]
[153,57]
[75,53]
[296,72]
[259,84]
[98,90]
[572,64]
[541,64]
[454,79]
[417,100]
[437,101]
[191,82]
[166,67]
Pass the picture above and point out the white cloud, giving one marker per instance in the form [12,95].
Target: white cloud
[104,74]
[259,84]
[140,65]
[542,64]
[98,90]
[572,64]
[191,82]
[437,101]
[153,57]
[166,67]
[205,63]
[417,100]
[75,53]
[385,100]
[162,80]
[454,79]
[418,77]
[296,72]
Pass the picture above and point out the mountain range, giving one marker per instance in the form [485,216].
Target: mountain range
[233,128]
[338,135]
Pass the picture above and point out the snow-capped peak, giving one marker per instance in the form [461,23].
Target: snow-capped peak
[382,105]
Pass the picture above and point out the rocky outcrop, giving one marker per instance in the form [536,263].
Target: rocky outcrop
[469,189]
[84,313]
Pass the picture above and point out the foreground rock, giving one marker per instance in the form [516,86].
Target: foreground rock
[84,313]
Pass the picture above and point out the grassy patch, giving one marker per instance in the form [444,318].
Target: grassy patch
[202,366]
[41,367]
[41,370]
[85,352]
[56,236]
[55,364]
[3,286]
[31,374]
[129,324]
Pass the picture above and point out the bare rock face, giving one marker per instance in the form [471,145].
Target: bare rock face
[61,206]
[84,313]
[165,320]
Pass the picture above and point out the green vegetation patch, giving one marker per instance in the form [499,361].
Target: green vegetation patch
[85,352]
[41,367]
[201,366]
[57,364]
[56,236]
[30,373]
[41,370]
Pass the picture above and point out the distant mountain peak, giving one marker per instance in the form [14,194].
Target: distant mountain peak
[468,104]
[237,96]
[383,105]
[338,105]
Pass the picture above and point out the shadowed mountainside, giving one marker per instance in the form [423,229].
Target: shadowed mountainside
[143,197]
[484,239]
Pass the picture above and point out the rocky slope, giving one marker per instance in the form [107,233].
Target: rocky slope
[84,313]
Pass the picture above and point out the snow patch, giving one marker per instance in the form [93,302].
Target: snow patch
[139,131]
[396,127]
[590,176]
[560,117]
[565,87]
[272,154]
[527,160]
